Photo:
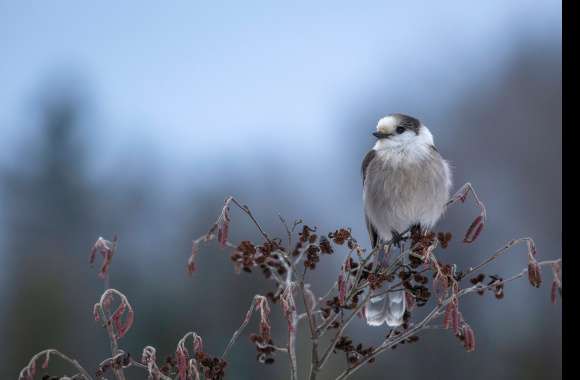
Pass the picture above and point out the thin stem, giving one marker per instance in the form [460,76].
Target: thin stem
[246,210]
[313,336]
[113,341]
[328,351]
[47,353]
[292,353]
[289,306]
[156,370]
[497,254]
[237,333]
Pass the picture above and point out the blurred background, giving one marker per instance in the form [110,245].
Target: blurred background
[139,118]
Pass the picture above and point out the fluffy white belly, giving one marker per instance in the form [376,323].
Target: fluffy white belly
[398,198]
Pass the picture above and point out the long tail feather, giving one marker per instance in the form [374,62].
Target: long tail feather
[386,308]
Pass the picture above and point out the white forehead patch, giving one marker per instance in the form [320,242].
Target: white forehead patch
[387,124]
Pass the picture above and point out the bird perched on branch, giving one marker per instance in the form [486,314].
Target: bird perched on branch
[406,183]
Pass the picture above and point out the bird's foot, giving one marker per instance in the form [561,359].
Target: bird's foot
[416,230]
[397,238]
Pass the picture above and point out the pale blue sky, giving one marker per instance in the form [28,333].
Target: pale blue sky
[198,80]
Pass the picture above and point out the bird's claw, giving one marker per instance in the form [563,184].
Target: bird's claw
[397,238]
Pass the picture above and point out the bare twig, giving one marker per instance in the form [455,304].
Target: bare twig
[326,355]
[246,210]
[313,334]
[289,307]
[498,253]
[28,372]
[257,301]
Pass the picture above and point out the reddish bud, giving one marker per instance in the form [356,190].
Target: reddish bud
[447,317]
[469,338]
[46,360]
[554,292]
[32,370]
[455,319]
[107,249]
[341,288]
[474,229]
[181,356]
[452,317]
[223,232]
[123,310]
[534,274]
[125,326]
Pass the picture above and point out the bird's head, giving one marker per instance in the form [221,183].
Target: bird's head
[401,131]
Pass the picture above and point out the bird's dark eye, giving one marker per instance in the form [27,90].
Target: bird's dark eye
[400,130]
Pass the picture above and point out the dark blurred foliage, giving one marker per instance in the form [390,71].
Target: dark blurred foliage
[503,135]
[49,215]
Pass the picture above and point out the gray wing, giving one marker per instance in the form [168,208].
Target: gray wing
[372,232]
[365,164]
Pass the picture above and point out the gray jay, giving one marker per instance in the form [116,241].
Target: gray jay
[406,183]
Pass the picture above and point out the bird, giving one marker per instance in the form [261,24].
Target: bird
[406,184]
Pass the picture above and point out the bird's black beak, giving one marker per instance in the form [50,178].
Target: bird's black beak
[381,135]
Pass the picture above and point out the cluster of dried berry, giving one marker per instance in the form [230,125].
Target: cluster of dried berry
[312,256]
[334,305]
[331,305]
[376,280]
[340,236]
[367,270]
[169,367]
[495,282]
[312,246]
[444,238]
[316,246]
[416,283]
[353,353]
[498,288]
[264,347]
[212,367]
[420,244]
[478,280]
[247,256]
